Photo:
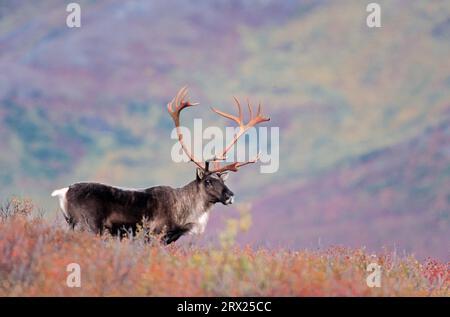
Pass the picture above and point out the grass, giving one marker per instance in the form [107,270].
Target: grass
[35,252]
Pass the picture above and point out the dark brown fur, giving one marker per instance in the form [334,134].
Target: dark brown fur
[170,211]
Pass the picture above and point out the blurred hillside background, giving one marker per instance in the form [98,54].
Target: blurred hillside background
[364,114]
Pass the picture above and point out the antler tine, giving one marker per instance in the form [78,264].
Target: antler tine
[180,103]
[241,118]
[250,111]
[177,99]
[227,115]
[182,96]
[169,105]
[259,118]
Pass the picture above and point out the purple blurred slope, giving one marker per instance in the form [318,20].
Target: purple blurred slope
[397,197]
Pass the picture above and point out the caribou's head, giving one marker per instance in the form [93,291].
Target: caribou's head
[213,185]
[212,179]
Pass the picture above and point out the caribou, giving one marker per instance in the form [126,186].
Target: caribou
[170,212]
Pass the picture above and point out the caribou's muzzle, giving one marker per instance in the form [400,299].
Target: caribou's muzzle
[229,201]
[228,198]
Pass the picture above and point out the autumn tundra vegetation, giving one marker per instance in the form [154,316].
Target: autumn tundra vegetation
[35,251]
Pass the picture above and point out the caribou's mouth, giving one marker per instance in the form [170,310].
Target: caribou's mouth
[229,201]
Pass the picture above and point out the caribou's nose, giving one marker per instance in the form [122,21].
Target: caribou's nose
[229,197]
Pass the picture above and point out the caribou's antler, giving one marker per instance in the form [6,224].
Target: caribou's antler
[179,103]
[243,127]
[174,107]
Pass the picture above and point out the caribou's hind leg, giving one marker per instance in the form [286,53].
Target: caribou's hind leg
[71,222]
[91,223]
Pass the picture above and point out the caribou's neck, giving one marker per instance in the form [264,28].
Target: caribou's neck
[193,202]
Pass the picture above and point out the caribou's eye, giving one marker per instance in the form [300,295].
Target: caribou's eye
[208,182]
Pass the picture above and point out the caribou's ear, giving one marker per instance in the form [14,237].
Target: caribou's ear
[224,176]
[200,174]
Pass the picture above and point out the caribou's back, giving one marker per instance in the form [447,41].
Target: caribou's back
[101,206]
